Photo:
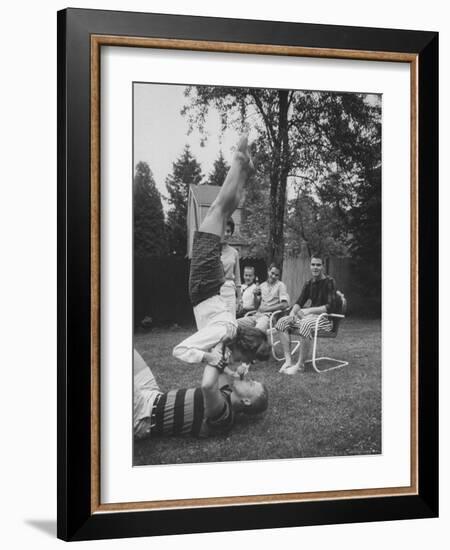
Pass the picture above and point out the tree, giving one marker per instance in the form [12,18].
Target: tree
[256,209]
[186,171]
[220,170]
[300,135]
[149,227]
[271,107]
[315,225]
[366,242]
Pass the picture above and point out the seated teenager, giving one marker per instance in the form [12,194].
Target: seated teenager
[320,291]
[231,288]
[248,302]
[270,296]
[208,410]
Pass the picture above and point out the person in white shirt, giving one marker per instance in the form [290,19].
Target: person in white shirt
[271,296]
[219,339]
[231,288]
[247,302]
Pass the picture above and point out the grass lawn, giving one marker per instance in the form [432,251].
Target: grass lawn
[310,415]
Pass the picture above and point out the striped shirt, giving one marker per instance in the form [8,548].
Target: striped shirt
[182,412]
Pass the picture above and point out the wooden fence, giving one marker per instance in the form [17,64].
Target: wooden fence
[161,289]
[161,286]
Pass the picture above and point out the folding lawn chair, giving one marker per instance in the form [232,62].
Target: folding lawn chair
[272,333]
[336,318]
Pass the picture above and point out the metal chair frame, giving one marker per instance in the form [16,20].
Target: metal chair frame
[333,334]
[272,331]
[273,344]
[339,362]
[317,334]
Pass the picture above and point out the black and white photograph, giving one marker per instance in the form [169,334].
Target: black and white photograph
[257,287]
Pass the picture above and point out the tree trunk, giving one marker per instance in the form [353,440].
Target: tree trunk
[278,180]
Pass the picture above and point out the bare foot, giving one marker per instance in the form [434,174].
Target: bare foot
[293,369]
[243,154]
[285,366]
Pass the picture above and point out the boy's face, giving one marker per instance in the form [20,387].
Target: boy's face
[273,275]
[316,267]
[247,388]
[249,276]
[228,233]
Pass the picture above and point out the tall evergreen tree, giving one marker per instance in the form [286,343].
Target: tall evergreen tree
[186,171]
[220,171]
[149,228]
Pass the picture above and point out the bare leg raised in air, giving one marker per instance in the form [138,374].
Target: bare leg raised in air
[230,193]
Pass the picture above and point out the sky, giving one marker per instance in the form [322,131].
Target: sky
[161,132]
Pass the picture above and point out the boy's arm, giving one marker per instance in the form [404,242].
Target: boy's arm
[314,310]
[268,309]
[237,272]
[237,278]
[257,300]
[212,396]
[255,304]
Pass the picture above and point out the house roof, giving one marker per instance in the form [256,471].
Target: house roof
[205,194]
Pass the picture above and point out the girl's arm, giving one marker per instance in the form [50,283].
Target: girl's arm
[237,277]
[196,348]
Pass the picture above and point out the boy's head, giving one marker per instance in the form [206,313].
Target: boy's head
[252,396]
[249,275]
[229,229]
[316,265]
[273,274]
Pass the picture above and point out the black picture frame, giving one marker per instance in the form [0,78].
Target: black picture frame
[76,518]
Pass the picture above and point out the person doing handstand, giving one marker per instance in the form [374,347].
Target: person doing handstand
[218,339]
